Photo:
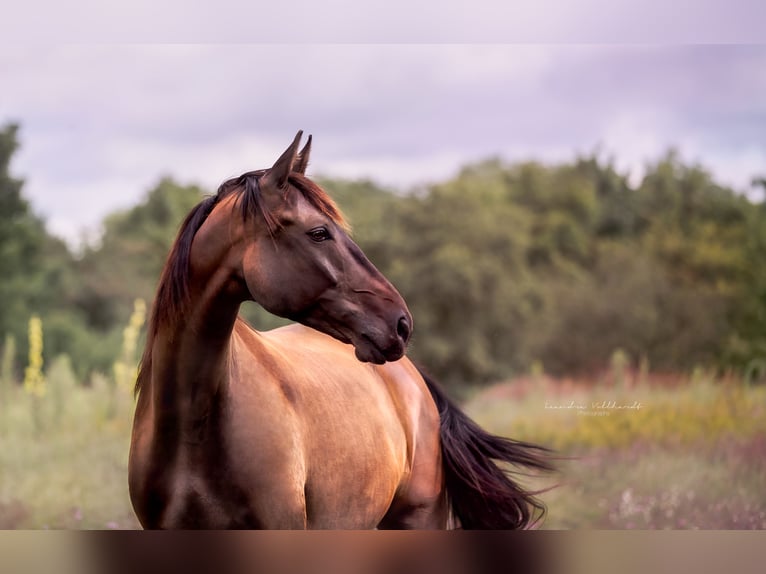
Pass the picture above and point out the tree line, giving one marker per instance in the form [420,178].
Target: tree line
[506,267]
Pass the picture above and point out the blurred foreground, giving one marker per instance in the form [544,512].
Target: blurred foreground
[385,552]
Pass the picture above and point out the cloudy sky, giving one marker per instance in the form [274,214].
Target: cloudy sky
[102,122]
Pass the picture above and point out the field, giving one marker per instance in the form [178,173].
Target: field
[63,457]
[665,452]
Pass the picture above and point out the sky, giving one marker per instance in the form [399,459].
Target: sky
[103,120]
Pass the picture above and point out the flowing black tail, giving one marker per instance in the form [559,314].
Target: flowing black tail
[482,494]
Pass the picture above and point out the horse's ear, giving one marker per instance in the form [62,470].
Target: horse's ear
[303,158]
[281,169]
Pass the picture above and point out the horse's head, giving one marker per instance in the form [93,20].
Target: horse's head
[298,261]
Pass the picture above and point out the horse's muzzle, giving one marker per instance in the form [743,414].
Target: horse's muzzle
[376,347]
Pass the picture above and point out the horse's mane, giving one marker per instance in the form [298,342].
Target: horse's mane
[172,295]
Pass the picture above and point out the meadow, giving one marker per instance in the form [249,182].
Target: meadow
[641,451]
[63,456]
[637,451]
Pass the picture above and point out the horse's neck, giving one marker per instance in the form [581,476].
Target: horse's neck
[190,360]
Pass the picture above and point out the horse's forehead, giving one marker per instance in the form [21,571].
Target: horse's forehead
[296,206]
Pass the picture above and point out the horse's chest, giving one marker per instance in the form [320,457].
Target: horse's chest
[278,467]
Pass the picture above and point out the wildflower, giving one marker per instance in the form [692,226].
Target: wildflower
[125,367]
[34,382]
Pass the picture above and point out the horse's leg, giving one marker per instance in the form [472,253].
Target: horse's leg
[414,513]
[277,496]
[421,501]
[407,516]
[280,509]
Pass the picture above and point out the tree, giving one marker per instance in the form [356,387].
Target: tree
[22,241]
[127,262]
[502,266]
[38,275]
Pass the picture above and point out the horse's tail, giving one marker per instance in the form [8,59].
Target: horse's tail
[482,495]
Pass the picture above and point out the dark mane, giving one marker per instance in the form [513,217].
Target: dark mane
[172,295]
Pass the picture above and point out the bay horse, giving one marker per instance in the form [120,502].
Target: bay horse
[321,424]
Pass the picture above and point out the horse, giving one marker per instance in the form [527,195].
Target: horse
[322,424]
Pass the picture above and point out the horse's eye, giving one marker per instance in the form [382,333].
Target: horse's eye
[319,234]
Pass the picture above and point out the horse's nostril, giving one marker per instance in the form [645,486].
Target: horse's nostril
[403,329]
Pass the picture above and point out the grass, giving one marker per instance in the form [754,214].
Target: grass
[693,455]
[71,472]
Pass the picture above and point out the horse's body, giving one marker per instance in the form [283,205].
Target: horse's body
[295,428]
[302,435]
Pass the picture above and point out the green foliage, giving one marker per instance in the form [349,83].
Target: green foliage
[504,266]
[126,264]
[7,370]
[37,270]
[67,332]
[22,239]
[7,378]
[61,382]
